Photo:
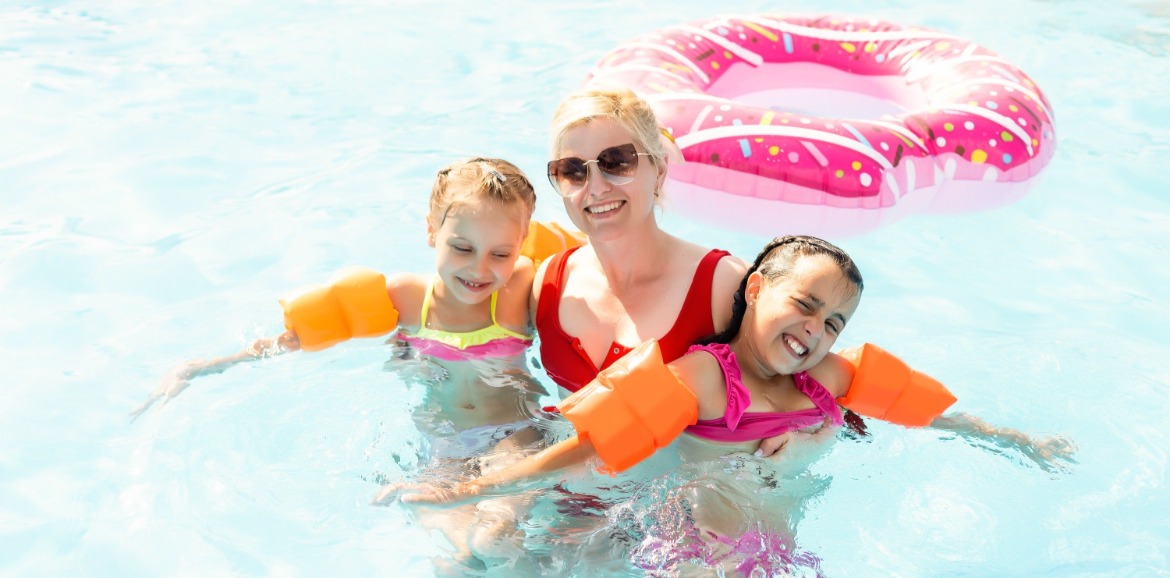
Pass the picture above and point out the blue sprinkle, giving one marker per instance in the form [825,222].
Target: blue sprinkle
[737,122]
[856,134]
[1007,159]
[991,104]
[787,42]
[745,148]
[880,58]
[722,31]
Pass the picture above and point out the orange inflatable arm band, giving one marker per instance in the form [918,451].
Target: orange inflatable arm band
[886,388]
[632,408]
[355,304]
[547,239]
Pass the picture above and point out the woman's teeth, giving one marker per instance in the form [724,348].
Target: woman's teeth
[598,209]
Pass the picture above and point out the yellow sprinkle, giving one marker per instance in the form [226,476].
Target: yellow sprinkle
[783,121]
[759,140]
[870,47]
[726,55]
[1013,108]
[856,165]
[773,150]
[972,102]
[948,126]
[1006,136]
[767,117]
[942,45]
[1035,143]
[715,65]
[849,47]
[978,156]
[762,32]
[840,173]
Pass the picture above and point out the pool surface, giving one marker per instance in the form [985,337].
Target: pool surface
[167,172]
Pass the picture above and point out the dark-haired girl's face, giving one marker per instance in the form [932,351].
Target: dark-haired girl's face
[795,319]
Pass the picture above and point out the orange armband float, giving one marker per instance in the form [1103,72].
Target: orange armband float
[547,239]
[886,388]
[355,304]
[632,408]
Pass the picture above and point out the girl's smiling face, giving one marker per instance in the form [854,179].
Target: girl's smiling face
[793,321]
[476,245]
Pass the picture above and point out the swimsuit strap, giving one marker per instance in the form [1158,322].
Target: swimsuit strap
[494,322]
[426,305]
[819,395]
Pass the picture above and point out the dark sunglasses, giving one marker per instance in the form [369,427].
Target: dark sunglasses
[618,165]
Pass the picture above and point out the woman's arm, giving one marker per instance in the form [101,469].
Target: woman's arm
[559,456]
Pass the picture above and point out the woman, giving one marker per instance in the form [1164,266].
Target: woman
[633,281]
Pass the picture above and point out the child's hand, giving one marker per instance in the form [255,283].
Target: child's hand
[425,493]
[1051,453]
[172,385]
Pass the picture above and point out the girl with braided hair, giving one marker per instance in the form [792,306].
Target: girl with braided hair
[770,373]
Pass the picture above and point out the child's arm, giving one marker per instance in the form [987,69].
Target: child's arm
[179,377]
[559,456]
[1050,453]
[357,303]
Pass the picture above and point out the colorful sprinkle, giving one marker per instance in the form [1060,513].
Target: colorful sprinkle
[1006,136]
[1007,159]
[978,156]
[746,148]
[767,117]
[773,150]
[848,47]
[991,104]
[856,165]
[870,47]
[840,173]
[788,43]
[948,126]
[943,45]
[761,31]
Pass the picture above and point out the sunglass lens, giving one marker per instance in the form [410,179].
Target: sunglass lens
[619,161]
[568,174]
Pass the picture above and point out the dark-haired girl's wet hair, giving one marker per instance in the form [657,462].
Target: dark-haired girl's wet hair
[777,260]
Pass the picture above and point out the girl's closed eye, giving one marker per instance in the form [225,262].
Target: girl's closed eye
[461,249]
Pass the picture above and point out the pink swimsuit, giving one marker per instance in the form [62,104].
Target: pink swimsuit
[739,425]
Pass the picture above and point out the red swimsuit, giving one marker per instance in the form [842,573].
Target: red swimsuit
[565,359]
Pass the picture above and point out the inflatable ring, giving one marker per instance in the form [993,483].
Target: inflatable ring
[929,122]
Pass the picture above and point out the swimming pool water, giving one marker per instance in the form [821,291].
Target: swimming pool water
[167,172]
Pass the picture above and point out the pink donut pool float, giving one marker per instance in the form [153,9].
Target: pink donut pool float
[834,125]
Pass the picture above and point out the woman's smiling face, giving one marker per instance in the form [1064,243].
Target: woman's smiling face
[602,209]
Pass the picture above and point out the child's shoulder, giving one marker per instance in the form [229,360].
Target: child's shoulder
[407,291]
[701,372]
[834,373]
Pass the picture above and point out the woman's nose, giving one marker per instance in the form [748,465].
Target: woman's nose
[597,184]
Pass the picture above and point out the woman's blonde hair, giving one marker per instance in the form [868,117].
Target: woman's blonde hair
[480,179]
[622,106]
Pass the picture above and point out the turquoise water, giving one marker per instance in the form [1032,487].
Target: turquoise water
[167,172]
